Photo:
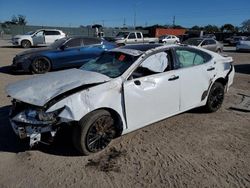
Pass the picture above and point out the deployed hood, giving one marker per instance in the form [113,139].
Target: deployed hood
[41,89]
[34,51]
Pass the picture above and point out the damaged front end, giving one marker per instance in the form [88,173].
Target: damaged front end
[33,122]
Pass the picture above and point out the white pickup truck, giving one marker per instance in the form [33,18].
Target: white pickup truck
[134,37]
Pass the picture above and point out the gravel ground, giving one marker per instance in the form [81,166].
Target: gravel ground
[193,149]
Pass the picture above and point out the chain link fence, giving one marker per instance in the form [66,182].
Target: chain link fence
[12,30]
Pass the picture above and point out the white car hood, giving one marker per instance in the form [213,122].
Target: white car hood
[41,89]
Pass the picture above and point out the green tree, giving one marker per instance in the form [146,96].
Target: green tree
[14,19]
[211,29]
[227,28]
[22,20]
[196,28]
[17,20]
[246,26]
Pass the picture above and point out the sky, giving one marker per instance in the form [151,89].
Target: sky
[115,13]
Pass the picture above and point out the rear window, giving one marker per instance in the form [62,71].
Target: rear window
[193,42]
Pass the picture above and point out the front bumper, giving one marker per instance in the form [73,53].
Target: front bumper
[20,66]
[16,42]
[26,124]
[34,133]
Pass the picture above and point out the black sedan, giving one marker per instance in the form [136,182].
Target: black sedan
[64,53]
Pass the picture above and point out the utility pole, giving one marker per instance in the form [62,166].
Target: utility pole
[124,22]
[173,21]
[134,15]
[103,23]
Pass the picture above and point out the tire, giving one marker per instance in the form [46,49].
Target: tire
[40,65]
[120,44]
[219,50]
[94,132]
[215,97]
[26,44]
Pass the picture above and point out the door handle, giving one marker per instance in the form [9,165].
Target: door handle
[210,69]
[137,82]
[173,78]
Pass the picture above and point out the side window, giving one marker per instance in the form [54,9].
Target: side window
[205,42]
[132,36]
[73,43]
[211,42]
[51,32]
[138,35]
[91,41]
[40,33]
[155,63]
[188,58]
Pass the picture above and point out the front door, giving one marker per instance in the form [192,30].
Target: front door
[150,96]
[38,38]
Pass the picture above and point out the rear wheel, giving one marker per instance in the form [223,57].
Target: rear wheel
[40,65]
[215,97]
[94,132]
[26,44]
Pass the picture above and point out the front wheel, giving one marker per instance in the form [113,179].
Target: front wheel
[26,44]
[94,132]
[219,51]
[40,65]
[215,97]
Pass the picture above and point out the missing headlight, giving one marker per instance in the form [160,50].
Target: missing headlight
[37,117]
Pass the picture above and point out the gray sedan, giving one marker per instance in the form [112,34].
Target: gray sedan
[206,43]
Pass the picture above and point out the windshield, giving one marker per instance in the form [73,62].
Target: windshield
[30,33]
[111,64]
[122,34]
[193,42]
[58,43]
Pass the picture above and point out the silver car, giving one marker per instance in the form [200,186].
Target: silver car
[206,43]
[243,45]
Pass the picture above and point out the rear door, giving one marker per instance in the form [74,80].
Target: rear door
[70,56]
[196,70]
[91,49]
[51,36]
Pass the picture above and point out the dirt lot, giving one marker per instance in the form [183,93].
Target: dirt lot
[193,149]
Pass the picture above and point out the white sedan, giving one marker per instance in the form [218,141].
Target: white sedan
[123,90]
[169,39]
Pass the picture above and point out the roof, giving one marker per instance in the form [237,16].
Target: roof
[137,49]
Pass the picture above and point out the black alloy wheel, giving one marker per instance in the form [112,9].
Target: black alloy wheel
[94,132]
[215,98]
[40,65]
[100,134]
